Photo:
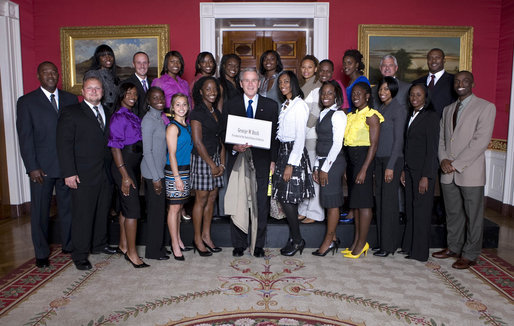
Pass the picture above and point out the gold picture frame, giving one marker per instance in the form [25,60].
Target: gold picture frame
[78,45]
[376,41]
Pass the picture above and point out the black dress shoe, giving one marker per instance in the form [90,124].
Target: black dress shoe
[381,253]
[258,252]
[66,252]
[403,252]
[238,251]
[42,262]
[106,250]
[165,257]
[374,249]
[83,264]
[168,252]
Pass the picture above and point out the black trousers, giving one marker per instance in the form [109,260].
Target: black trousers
[40,200]
[156,214]
[90,207]
[239,238]
[418,208]
[387,208]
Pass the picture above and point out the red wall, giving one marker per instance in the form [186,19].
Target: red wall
[41,20]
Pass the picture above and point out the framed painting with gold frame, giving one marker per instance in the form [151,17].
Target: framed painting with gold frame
[78,45]
[410,45]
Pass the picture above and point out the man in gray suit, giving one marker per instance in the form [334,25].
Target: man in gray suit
[36,123]
[389,67]
[466,128]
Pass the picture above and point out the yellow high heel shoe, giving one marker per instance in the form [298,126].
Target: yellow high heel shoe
[364,250]
[346,251]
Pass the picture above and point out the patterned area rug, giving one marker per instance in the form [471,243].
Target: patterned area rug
[223,290]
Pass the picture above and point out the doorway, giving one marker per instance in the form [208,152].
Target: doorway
[311,17]
[250,45]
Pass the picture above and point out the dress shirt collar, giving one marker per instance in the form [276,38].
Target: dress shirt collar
[414,115]
[141,80]
[255,99]
[47,94]
[100,109]
[437,76]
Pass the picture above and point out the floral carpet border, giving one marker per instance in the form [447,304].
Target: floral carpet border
[263,318]
[26,279]
[495,272]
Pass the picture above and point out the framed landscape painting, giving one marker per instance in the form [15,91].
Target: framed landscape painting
[410,45]
[78,45]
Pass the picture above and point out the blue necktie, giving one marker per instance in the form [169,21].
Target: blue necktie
[249,109]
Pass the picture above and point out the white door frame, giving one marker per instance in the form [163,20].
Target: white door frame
[318,11]
[508,190]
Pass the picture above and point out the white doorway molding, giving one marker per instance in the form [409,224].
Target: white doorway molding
[508,190]
[318,11]
[12,88]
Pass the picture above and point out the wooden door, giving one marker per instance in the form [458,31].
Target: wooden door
[250,45]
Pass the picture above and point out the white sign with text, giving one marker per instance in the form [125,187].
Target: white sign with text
[242,130]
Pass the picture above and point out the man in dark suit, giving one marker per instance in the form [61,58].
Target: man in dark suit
[141,62]
[82,134]
[251,105]
[389,67]
[466,129]
[37,114]
[438,81]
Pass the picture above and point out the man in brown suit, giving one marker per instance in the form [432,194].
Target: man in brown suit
[466,128]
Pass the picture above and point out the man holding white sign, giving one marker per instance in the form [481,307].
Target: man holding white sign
[253,106]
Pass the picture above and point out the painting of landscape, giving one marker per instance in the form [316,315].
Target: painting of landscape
[124,49]
[411,53]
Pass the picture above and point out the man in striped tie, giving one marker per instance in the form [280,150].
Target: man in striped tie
[140,62]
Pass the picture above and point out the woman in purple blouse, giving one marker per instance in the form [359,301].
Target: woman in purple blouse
[170,81]
[125,143]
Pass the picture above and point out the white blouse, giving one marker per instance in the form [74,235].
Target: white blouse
[292,122]
[338,127]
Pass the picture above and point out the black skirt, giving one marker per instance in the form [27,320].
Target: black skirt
[130,207]
[361,195]
[331,195]
[300,186]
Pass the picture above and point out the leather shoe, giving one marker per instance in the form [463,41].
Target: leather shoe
[258,252]
[381,253]
[83,264]
[106,250]
[403,252]
[42,262]
[238,252]
[443,254]
[463,263]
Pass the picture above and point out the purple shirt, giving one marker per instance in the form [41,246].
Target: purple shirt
[125,128]
[170,86]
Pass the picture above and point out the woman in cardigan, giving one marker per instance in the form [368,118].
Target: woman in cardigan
[388,166]
[153,129]
[170,81]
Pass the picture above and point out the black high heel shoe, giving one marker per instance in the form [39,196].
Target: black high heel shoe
[201,253]
[181,258]
[294,248]
[333,247]
[186,248]
[288,247]
[142,265]
[215,249]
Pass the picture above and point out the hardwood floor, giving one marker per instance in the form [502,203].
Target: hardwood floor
[16,244]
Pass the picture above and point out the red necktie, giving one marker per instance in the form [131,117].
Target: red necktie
[432,81]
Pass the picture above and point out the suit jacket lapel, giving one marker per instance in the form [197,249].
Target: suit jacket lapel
[260,111]
[417,120]
[88,112]
[46,102]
